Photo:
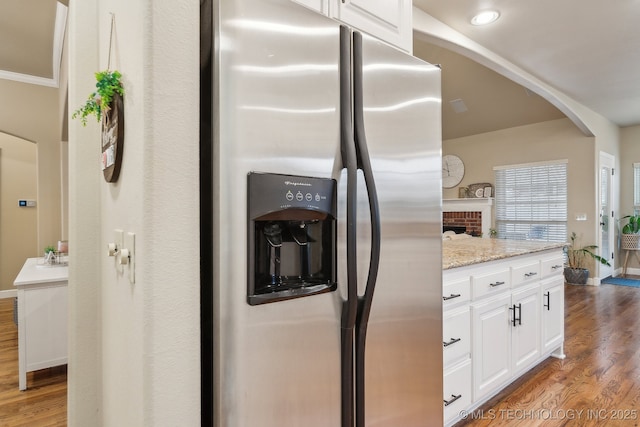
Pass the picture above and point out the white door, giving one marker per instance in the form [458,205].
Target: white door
[607,230]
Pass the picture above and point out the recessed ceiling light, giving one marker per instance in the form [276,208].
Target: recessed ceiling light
[485,17]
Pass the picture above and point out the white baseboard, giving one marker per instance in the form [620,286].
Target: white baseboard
[10,293]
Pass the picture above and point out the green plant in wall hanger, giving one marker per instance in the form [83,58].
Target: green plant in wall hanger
[108,84]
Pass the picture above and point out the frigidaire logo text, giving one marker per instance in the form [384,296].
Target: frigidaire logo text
[295,184]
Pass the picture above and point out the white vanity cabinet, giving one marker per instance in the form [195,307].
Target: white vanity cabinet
[516,320]
[42,317]
[388,20]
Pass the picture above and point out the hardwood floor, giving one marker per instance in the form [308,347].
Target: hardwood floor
[599,381]
[44,403]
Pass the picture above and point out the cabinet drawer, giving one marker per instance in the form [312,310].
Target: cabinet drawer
[456,335]
[457,390]
[525,273]
[456,292]
[551,266]
[490,283]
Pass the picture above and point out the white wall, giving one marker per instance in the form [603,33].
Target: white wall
[134,348]
[552,140]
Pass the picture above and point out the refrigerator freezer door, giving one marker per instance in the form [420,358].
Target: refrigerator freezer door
[403,361]
[277,94]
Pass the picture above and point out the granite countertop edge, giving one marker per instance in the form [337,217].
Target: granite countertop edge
[464,252]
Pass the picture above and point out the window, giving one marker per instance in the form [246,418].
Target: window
[636,188]
[531,201]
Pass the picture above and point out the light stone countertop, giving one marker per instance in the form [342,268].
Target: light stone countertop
[475,250]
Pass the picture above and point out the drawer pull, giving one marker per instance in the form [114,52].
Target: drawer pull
[453,399]
[533,273]
[453,341]
[493,285]
[452,296]
[555,267]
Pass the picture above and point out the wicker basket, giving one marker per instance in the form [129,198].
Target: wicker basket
[631,242]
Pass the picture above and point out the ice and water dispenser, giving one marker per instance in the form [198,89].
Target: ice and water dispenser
[292,237]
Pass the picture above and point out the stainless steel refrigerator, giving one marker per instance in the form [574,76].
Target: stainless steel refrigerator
[321,227]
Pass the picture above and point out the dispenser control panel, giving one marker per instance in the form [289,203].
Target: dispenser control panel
[272,192]
[292,237]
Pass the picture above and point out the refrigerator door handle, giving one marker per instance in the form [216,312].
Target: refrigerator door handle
[364,163]
[349,160]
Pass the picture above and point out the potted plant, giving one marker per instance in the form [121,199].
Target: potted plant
[630,239]
[576,271]
[108,87]
[107,104]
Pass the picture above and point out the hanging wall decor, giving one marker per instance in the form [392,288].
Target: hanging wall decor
[107,105]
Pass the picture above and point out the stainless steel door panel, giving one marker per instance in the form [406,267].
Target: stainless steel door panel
[277,87]
[404,344]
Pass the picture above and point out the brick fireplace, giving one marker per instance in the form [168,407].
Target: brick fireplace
[474,215]
[470,222]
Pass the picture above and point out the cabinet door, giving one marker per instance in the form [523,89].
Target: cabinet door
[526,332]
[552,314]
[389,20]
[321,6]
[491,356]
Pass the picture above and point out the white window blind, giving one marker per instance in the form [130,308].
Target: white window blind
[636,187]
[531,201]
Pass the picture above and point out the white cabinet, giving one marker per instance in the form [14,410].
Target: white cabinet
[491,344]
[388,20]
[514,309]
[42,317]
[553,316]
[321,6]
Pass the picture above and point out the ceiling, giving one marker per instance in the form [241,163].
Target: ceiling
[587,49]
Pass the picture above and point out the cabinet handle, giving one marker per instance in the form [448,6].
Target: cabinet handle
[453,399]
[531,274]
[517,318]
[555,267]
[493,285]
[452,296]
[548,304]
[453,341]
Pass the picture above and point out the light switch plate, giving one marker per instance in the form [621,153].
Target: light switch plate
[118,239]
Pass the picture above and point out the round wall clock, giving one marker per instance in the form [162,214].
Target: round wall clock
[452,170]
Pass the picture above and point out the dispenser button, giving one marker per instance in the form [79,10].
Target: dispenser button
[289,195]
[309,197]
[317,197]
[299,196]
